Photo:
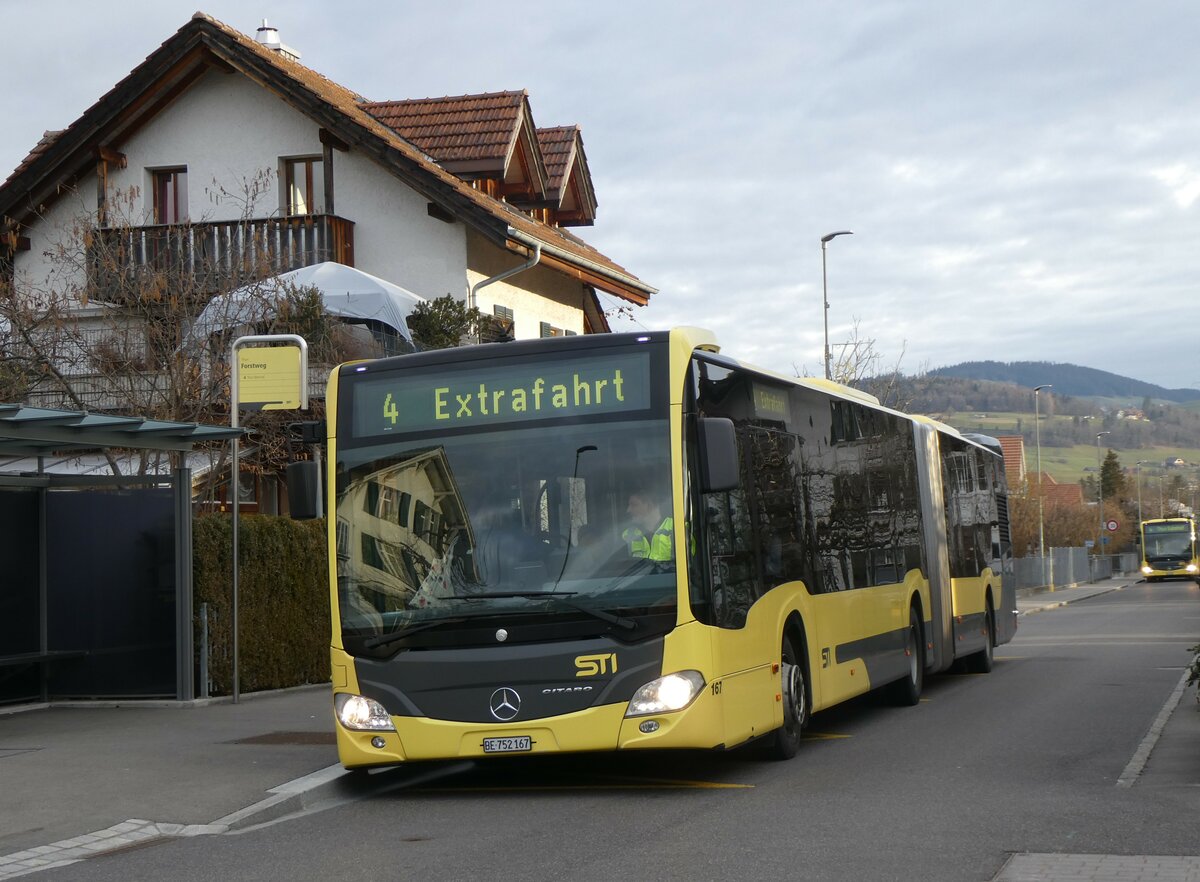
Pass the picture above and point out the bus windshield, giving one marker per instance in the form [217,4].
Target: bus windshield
[1168,540]
[521,526]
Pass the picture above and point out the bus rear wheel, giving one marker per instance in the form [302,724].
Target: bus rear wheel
[906,691]
[783,743]
[981,662]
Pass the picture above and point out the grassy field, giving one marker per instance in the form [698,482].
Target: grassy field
[1069,464]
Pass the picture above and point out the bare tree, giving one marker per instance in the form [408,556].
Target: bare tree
[109,322]
[857,364]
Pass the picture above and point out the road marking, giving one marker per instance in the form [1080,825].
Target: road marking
[823,736]
[1142,755]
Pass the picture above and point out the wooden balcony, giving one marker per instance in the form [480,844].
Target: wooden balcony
[212,256]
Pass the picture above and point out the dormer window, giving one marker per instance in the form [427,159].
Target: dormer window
[304,185]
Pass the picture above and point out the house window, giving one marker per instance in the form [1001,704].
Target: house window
[304,182]
[170,195]
[498,326]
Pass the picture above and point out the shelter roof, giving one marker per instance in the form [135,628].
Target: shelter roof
[37,431]
[205,44]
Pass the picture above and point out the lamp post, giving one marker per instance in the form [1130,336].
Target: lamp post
[1139,465]
[1037,437]
[1037,434]
[1100,491]
[825,294]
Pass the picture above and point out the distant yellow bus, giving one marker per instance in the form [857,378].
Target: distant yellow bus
[807,545]
[1169,549]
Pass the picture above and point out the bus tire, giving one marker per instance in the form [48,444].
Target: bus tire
[906,691]
[981,662]
[783,743]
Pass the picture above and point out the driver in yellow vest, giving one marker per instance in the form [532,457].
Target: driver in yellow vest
[650,535]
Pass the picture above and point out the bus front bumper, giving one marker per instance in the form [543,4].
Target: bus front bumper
[604,728]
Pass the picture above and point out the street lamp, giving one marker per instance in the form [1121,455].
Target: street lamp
[825,293]
[1100,490]
[1139,465]
[1037,434]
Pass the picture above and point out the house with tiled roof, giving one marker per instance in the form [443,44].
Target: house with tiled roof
[1013,448]
[1056,494]
[460,195]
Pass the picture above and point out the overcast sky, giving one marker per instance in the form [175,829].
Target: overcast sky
[1022,178]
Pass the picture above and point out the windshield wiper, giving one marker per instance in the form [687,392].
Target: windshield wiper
[603,615]
[393,636]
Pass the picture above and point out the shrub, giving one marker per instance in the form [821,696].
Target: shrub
[283,601]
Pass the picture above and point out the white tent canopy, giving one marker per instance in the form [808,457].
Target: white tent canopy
[345,291]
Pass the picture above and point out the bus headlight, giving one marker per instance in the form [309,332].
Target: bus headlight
[364,714]
[670,693]
[1146,571]
[1191,568]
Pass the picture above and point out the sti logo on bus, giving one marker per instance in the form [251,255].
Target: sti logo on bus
[593,665]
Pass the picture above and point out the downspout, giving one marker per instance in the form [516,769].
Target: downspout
[529,264]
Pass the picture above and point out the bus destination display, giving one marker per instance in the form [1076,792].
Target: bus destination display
[416,402]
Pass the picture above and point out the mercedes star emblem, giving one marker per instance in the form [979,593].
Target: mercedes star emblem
[505,703]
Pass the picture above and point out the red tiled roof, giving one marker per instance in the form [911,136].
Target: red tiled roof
[48,138]
[1013,448]
[332,106]
[1060,494]
[457,128]
[558,148]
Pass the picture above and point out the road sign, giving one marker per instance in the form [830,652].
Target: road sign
[1112,525]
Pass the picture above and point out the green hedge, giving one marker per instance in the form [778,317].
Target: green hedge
[283,601]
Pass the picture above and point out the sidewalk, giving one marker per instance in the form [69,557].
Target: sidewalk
[76,780]
[1032,600]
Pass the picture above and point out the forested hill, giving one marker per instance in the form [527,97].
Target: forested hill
[1067,379]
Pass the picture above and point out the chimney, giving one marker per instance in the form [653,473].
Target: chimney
[268,37]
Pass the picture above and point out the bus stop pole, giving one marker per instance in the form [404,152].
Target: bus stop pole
[236,484]
[235,487]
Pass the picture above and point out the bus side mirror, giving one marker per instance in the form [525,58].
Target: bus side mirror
[718,455]
[304,490]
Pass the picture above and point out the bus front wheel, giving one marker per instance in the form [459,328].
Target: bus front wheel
[783,743]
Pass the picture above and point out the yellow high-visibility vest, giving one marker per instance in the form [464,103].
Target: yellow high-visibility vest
[659,546]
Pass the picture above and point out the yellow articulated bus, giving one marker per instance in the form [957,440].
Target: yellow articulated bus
[1169,549]
[631,541]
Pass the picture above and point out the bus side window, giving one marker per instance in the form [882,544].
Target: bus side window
[732,561]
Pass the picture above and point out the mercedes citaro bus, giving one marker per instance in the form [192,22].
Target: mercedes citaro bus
[1169,549]
[487,601]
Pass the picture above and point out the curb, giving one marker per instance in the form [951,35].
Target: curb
[289,798]
[1061,603]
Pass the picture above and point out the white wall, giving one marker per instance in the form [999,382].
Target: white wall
[536,295]
[231,133]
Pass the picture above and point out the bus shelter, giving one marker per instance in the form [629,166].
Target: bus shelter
[96,593]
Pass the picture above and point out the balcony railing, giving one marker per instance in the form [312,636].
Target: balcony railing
[210,256]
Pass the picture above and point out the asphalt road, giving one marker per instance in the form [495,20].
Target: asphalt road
[1024,759]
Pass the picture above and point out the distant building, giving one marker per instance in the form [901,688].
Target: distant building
[1013,447]
[1061,494]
